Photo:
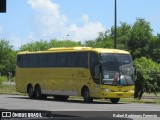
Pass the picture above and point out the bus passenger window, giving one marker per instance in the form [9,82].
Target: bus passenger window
[83,59]
[61,60]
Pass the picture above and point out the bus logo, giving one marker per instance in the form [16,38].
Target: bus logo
[6,114]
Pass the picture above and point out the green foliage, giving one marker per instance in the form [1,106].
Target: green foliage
[2,79]
[35,46]
[147,78]
[141,36]
[66,43]
[104,40]
[123,35]
[7,58]
[154,48]
[44,45]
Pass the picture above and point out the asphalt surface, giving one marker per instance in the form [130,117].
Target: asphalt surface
[15,102]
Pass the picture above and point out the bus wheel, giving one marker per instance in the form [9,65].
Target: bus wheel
[37,92]
[86,96]
[30,92]
[114,100]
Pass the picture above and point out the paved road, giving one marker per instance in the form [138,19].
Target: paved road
[16,102]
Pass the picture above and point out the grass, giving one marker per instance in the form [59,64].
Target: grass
[146,101]
[2,79]
[9,89]
[146,98]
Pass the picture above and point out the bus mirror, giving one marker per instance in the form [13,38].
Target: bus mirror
[97,72]
[100,66]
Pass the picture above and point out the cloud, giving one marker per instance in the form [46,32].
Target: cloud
[88,31]
[49,23]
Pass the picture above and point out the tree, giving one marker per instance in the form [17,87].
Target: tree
[7,58]
[154,48]
[44,45]
[147,78]
[123,35]
[64,43]
[141,36]
[102,41]
[35,46]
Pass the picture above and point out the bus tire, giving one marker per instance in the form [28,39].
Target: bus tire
[30,92]
[114,100]
[37,92]
[86,96]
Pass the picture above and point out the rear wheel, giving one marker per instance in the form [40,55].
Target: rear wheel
[86,96]
[38,92]
[114,100]
[30,92]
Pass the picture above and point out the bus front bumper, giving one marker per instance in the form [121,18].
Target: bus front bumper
[117,94]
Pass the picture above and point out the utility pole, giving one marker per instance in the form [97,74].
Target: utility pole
[115,24]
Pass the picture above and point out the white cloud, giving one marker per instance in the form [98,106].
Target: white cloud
[88,31]
[51,23]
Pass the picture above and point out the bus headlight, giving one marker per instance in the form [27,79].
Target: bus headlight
[105,89]
[130,91]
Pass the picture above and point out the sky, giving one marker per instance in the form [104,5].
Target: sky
[32,20]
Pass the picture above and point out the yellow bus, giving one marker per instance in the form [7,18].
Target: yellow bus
[93,73]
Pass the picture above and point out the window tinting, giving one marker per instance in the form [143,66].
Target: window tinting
[61,60]
[72,59]
[93,61]
[82,59]
[50,60]
[79,59]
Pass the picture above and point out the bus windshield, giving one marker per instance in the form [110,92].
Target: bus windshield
[117,69]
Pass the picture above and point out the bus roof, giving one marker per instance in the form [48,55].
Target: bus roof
[74,49]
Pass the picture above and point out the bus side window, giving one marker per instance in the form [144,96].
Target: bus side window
[51,60]
[83,59]
[93,61]
[61,60]
[72,59]
[24,61]
[40,60]
[97,72]
[32,60]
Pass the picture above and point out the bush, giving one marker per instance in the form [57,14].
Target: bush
[147,77]
[2,79]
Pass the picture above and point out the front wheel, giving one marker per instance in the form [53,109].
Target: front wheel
[114,100]
[86,96]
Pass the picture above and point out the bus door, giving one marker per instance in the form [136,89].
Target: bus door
[95,73]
